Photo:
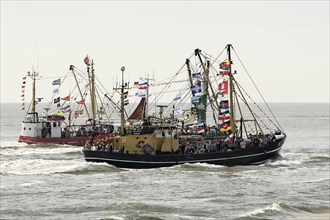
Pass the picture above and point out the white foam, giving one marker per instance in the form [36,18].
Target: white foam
[39,166]
[272,207]
[38,150]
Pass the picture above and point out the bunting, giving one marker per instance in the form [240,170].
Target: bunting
[23,93]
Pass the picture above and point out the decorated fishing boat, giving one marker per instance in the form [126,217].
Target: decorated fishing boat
[211,119]
[69,119]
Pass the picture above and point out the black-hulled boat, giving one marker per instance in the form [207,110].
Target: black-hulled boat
[183,133]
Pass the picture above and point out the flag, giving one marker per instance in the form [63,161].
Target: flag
[224,117]
[195,100]
[197,88]
[126,102]
[78,113]
[23,91]
[224,105]
[56,82]
[177,98]
[125,94]
[81,102]
[56,91]
[225,65]
[66,108]
[22,95]
[57,100]
[223,85]
[66,98]
[225,126]
[24,78]
[177,112]
[224,68]
[87,60]
[24,82]
[23,87]
[141,93]
[136,84]
[143,85]
[196,75]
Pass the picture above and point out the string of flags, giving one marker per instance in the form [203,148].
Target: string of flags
[23,93]
[224,106]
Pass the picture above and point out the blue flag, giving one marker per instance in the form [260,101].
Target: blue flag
[56,82]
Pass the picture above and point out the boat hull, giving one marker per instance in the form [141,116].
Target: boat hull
[75,141]
[227,158]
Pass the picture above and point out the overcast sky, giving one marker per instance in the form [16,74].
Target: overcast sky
[284,45]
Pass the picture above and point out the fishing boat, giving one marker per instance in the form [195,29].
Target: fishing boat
[70,122]
[211,119]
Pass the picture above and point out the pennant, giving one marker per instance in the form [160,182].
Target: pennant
[23,87]
[57,100]
[81,102]
[125,94]
[24,82]
[24,78]
[196,75]
[87,60]
[66,98]
[22,95]
[126,102]
[56,82]
[23,91]
[143,86]
[136,84]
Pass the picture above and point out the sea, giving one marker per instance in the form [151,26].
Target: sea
[54,181]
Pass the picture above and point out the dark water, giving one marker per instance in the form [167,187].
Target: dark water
[54,182]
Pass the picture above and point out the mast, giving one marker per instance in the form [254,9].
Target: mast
[33,76]
[231,95]
[92,90]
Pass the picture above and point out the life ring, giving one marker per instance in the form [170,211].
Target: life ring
[140,144]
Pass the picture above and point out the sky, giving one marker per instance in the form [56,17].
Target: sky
[283,44]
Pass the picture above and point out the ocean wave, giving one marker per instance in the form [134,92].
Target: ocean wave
[44,149]
[38,166]
[306,211]
[270,209]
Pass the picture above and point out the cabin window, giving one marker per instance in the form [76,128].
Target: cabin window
[54,124]
[59,124]
[24,128]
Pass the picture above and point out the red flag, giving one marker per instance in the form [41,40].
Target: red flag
[67,98]
[81,102]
